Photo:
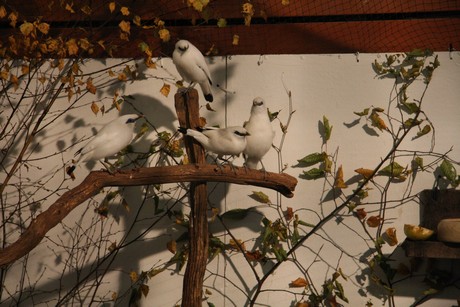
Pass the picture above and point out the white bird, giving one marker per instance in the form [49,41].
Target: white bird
[220,141]
[192,67]
[261,134]
[112,138]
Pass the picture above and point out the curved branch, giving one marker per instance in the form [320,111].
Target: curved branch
[91,185]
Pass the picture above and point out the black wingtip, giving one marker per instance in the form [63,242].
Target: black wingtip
[70,170]
[182,130]
[209,97]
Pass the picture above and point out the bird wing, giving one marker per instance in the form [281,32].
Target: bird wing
[201,63]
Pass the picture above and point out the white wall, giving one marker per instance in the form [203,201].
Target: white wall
[330,85]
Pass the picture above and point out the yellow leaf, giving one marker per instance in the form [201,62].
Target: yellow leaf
[339,183]
[72,47]
[43,27]
[90,87]
[164,35]
[248,12]
[236,39]
[112,7]
[390,236]
[150,63]
[366,173]
[26,28]
[298,283]
[133,276]
[112,246]
[124,10]
[284,2]
[94,108]
[114,296]
[2,11]
[125,26]
[237,246]
[69,8]
[172,246]
[165,89]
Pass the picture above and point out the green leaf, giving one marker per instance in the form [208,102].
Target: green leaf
[312,159]
[364,112]
[143,46]
[339,292]
[236,214]
[410,122]
[327,128]
[392,170]
[221,23]
[425,130]
[410,107]
[260,197]
[418,162]
[211,304]
[306,224]
[448,170]
[313,173]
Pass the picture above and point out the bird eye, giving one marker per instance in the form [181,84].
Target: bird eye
[131,120]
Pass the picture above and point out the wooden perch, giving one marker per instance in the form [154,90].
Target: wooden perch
[96,180]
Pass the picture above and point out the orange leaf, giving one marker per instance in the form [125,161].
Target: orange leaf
[69,8]
[133,275]
[164,35]
[374,221]
[172,246]
[112,7]
[2,11]
[26,28]
[13,17]
[298,283]
[289,213]
[377,121]
[43,27]
[254,256]
[235,40]
[165,89]
[25,69]
[361,213]
[90,87]
[302,304]
[144,289]
[390,236]
[339,183]
[94,108]
[366,173]
[124,10]
[137,20]
[86,9]
[72,47]
[125,26]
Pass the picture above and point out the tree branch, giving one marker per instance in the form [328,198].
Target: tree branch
[96,180]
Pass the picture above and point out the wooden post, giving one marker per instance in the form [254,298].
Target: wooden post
[187,109]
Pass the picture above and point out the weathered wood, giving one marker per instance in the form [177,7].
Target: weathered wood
[435,205]
[96,180]
[188,114]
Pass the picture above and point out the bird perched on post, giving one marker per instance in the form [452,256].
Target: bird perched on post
[261,134]
[192,67]
[220,141]
[112,138]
